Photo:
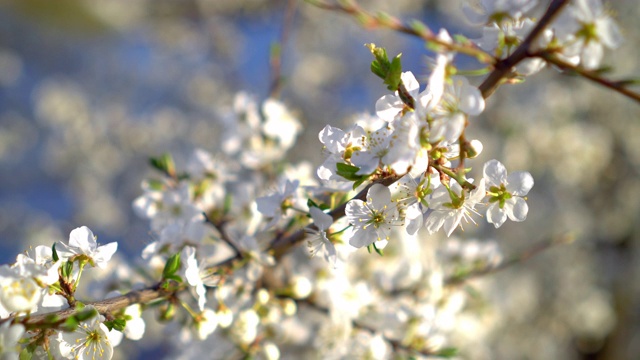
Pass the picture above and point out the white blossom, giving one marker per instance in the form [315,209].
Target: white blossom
[83,242]
[90,341]
[506,193]
[372,220]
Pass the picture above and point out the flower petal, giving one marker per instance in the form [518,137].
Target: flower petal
[519,183]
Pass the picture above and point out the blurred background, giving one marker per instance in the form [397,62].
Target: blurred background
[89,90]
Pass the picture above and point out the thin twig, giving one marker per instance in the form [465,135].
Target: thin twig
[276,56]
[416,28]
[591,75]
[518,259]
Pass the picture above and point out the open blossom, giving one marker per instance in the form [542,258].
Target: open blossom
[504,38]
[459,100]
[585,29]
[338,147]
[506,193]
[90,341]
[372,220]
[83,242]
[488,11]
[274,205]
[206,323]
[318,241]
[451,205]
[20,283]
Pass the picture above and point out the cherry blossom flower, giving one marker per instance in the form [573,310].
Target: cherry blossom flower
[506,193]
[584,28]
[450,205]
[206,323]
[319,241]
[82,242]
[90,341]
[372,220]
[338,147]
[488,11]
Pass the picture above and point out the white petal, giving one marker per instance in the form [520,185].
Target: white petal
[519,183]
[495,215]
[517,209]
[609,33]
[320,219]
[471,100]
[104,254]
[379,196]
[388,106]
[410,83]
[495,173]
[83,239]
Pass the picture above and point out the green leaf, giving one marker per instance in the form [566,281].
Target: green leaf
[359,182]
[164,163]
[348,171]
[311,203]
[448,352]
[172,265]
[85,315]
[118,324]
[389,71]
[154,184]
[392,78]
[54,253]
[26,353]
[71,324]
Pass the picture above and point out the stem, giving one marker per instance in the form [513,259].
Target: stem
[588,74]
[104,306]
[520,258]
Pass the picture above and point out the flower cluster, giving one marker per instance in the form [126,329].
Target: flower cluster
[224,259]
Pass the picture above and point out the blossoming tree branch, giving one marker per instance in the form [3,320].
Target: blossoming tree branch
[226,264]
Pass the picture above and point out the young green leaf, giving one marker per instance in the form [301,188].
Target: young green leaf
[172,265]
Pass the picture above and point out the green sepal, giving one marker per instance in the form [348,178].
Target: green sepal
[379,251]
[172,265]
[66,269]
[54,253]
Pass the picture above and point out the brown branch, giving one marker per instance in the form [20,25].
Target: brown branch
[417,29]
[103,307]
[591,75]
